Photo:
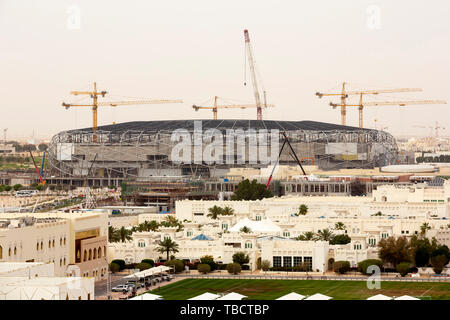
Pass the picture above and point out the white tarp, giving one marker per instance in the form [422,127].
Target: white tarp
[265,225]
[64,151]
[148,272]
[405,297]
[147,296]
[341,148]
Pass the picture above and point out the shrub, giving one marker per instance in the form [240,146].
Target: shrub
[438,263]
[363,265]
[241,258]
[403,268]
[143,266]
[114,267]
[120,262]
[204,268]
[341,267]
[17,187]
[179,265]
[234,268]
[209,260]
[149,261]
[265,265]
[340,239]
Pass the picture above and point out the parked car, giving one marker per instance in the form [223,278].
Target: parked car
[137,284]
[122,287]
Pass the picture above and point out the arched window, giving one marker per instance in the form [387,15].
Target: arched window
[248,245]
[64,260]
[37,246]
[64,240]
[1,252]
[99,252]
[85,255]
[15,250]
[90,254]
[49,243]
[60,242]
[60,262]
[42,245]
[94,256]
[141,244]
[53,243]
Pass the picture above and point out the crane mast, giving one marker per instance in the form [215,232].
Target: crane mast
[251,64]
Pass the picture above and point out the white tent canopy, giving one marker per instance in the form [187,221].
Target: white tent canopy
[263,226]
[379,297]
[405,297]
[206,296]
[291,296]
[232,296]
[147,296]
[148,272]
[319,296]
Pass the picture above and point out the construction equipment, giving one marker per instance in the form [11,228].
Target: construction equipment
[36,168]
[362,104]
[293,154]
[252,66]
[89,200]
[42,164]
[344,95]
[95,104]
[436,129]
[230,106]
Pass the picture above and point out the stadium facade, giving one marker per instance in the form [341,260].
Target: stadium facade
[141,149]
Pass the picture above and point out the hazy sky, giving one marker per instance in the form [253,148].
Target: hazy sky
[193,50]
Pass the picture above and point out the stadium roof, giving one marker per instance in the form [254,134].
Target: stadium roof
[169,125]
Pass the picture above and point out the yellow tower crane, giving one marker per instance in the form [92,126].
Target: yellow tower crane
[215,107]
[344,95]
[362,104]
[95,103]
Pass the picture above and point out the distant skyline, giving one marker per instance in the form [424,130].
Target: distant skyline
[195,50]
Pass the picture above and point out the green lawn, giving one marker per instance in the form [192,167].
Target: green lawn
[272,289]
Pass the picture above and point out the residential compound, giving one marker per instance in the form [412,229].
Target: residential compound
[392,210]
[75,242]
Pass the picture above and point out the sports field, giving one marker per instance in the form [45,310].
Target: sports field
[272,289]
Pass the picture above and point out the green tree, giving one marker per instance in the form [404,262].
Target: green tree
[339,226]
[143,266]
[340,239]
[114,267]
[394,251]
[214,212]
[124,234]
[241,258]
[167,246]
[341,267]
[324,235]
[42,147]
[113,234]
[121,263]
[363,265]
[17,187]
[421,257]
[403,268]
[438,262]
[302,210]
[306,236]
[247,190]
[234,268]
[209,260]
[245,229]
[441,250]
[424,228]
[204,268]
[227,211]
[171,221]
[149,261]
[175,263]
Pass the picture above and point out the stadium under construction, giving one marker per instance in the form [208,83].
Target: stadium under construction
[142,150]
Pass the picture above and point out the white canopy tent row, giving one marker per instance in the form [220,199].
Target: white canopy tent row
[379,297]
[232,296]
[405,297]
[148,273]
[318,296]
[292,296]
[147,296]
[206,296]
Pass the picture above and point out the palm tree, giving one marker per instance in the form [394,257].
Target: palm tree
[339,226]
[214,212]
[245,229]
[124,234]
[167,246]
[302,210]
[324,235]
[227,211]
[153,225]
[306,236]
[113,235]
[424,228]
